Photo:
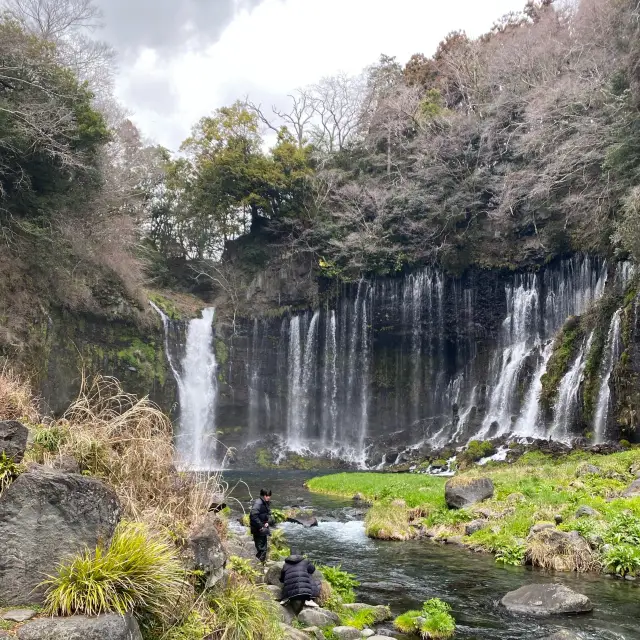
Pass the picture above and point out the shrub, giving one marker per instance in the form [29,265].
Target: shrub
[16,401]
[193,628]
[624,529]
[129,443]
[139,572]
[244,611]
[278,515]
[359,619]
[476,450]
[623,559]
[242,568]
[278,548]
[434,620]
[9,471]
[388,522]
[342,583]
[438,621]
[511,554]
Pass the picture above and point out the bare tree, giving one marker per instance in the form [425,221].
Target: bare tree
[337,104]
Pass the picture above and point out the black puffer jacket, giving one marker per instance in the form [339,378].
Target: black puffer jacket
[259,515]
[296,578]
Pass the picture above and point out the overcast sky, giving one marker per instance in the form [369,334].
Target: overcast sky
[181,59]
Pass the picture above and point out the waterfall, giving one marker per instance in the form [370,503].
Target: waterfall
[330,384]
[197,393]
[528,423]
[295,422]
[567,402]
[253,376]
[519,331]
[364,398]
[196,442]
[611,355]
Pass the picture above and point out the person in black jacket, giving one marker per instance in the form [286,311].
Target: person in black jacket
[297,584]
[259,521]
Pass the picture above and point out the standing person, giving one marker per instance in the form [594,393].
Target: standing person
[259,518]
[297,585]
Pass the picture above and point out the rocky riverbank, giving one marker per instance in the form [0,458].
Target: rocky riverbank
[577,512]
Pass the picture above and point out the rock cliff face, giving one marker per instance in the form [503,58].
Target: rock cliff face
[420,358]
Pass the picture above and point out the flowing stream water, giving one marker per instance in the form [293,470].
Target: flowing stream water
[404,574]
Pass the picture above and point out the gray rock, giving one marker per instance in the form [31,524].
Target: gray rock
[563,634]
[208,553]
[313,632]
[13,439]
[294,634]
[5,636]
[305,522]
[347,633]
[588,470]
[285,614]
[473,526]
[367,633]
[276,592]
[106,627]
[586,512]
[45,517]
[68,464]
[460,494]
[541,526]
[18,615]
[633,490]
[272,576]
[546,600]
[318,617]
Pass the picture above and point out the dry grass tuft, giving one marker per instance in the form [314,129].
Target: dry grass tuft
[389,522]
[129,443]
[554,549]
[16,400]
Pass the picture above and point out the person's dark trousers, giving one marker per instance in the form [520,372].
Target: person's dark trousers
[297,603]
[261,546]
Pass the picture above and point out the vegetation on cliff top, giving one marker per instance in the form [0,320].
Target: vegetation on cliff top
[536,489]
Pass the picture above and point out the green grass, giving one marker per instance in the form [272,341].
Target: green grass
[244,611]
[342,582]
[434,621]
[536,488]
[9,471]
[140,572]
[415,490]
[359,619]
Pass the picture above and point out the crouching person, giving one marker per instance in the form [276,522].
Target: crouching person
[298,585]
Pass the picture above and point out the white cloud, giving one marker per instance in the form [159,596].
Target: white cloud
[284,44]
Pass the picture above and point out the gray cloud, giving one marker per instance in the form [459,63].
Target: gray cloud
[167,25]
[153,93]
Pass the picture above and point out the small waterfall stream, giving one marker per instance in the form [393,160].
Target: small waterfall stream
[611,355]
[197,391]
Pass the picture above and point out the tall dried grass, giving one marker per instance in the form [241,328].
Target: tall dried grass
[16,398]
[129,443]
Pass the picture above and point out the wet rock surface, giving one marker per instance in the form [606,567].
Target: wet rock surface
[546,600]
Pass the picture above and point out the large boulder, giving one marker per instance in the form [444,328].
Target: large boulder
[546,600]
[633,490]
[45,517]
[106,627]
[273,574]
[463,492]
[317,617]
[13,439]
[208,553]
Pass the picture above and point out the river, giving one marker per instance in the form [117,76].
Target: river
[404,574]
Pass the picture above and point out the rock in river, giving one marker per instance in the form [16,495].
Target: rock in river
[459,493]
[546,600]
[305,522]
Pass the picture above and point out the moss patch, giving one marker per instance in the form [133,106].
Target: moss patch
[565,350]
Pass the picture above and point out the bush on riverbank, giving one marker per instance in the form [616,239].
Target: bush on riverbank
[582,492]
[433,621]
